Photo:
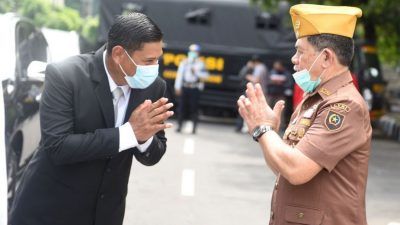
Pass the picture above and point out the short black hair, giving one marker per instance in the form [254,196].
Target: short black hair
[132,31]
[341,45]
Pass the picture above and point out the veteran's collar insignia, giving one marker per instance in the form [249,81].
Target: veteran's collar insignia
[324,91]
[334,121]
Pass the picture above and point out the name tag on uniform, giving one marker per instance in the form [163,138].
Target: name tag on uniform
[308,114]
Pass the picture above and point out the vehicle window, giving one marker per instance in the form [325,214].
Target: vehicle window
[199,16]
[30,46]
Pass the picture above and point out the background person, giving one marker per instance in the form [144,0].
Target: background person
[188,86]
[245,71]
[260,71]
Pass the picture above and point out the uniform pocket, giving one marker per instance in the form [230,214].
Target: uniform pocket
[301,215]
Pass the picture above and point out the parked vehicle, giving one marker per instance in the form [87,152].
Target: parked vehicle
[24,54]
[21,43]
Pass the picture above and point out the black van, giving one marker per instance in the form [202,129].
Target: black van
[229,33]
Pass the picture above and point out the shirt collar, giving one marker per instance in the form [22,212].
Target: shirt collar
[330,86]
[113,85]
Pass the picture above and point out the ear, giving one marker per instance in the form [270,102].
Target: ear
[329,58]
[117,54]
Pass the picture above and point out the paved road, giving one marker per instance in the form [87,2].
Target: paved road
[218,177]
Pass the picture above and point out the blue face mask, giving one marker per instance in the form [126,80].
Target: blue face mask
[144,76]
[303,79]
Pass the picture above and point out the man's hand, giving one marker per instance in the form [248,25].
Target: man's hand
[255,110]
[178,92]
[148,118]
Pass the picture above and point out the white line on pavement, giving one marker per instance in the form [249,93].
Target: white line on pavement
[188,146]
[188,179]
[393,223]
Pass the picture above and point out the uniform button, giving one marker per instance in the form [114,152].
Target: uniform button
[300,215]
[108,170]
[276,185]
[101,196]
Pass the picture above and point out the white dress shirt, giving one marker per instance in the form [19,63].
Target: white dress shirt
[127,138]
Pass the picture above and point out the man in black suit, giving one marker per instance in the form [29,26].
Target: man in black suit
[97,111]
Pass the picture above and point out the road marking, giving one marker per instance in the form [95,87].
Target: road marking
[188,146]
[188,127]
[393,223]
[188,179]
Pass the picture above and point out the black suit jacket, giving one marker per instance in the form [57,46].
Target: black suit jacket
[78,176]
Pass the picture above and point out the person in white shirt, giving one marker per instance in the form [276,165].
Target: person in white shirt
[188,86]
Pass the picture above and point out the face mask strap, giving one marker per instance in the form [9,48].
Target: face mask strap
[322,74]
[123,71]
[316,60]
[130,57]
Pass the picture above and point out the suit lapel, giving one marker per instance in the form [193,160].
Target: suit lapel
[134,101]
[102,88]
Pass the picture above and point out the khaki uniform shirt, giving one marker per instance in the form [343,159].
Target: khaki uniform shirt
[332,127]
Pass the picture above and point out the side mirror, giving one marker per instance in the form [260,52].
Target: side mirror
[8,86]
[36,70]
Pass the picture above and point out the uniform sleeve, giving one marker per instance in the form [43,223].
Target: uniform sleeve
[334,134]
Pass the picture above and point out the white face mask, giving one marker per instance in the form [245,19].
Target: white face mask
[144,76]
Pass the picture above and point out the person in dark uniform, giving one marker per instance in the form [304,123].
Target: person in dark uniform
[97,111]
[188,86]
[322,161]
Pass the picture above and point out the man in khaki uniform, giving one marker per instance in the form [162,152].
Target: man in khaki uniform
[322,161]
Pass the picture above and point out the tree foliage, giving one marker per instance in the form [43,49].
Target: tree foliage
[379,23]
[45,14]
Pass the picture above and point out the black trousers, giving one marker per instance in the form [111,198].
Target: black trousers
[188,107]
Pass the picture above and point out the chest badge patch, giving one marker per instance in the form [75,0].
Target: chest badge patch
[305,122]
[301,132]
[333,120]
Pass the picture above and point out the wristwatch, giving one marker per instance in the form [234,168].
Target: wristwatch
[259,131]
